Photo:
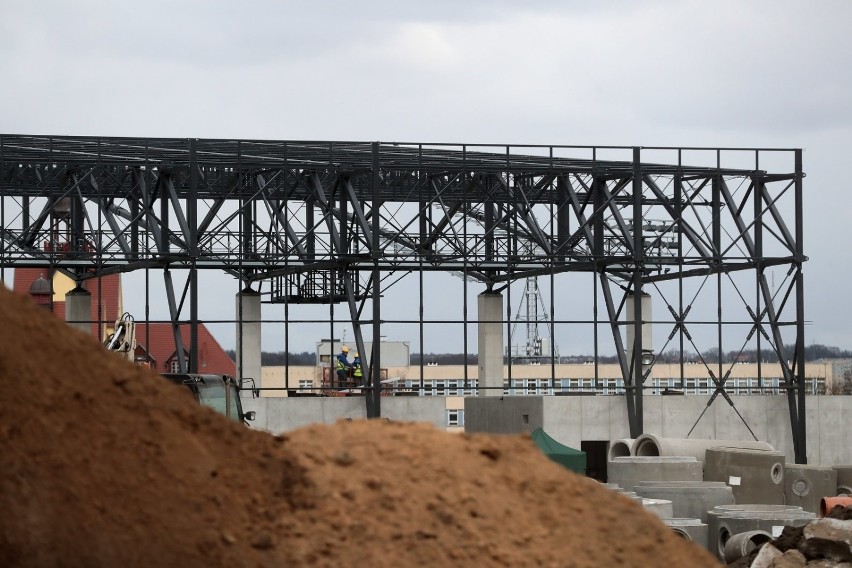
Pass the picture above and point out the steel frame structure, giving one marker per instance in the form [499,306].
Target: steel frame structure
[322,222]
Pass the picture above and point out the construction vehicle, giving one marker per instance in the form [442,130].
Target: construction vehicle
[219,392]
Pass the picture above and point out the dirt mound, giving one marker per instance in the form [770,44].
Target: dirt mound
[106,464]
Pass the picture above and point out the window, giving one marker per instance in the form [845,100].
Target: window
[305,385]
[455,417]
[174,365]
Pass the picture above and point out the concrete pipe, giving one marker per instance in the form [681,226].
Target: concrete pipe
[650,445]
[621,448]
[826,504]
[805,485]
[742,544]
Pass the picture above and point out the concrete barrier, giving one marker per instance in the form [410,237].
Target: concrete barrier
[620,448]
[651,445]
[805,485]
[755,476]
[690,529]
[742,544]
[690,499]
[629,471]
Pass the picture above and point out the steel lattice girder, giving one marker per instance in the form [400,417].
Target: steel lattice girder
[268,209]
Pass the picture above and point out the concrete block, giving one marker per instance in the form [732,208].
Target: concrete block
[629,471]
[805,485]
[690,499]
[755,476]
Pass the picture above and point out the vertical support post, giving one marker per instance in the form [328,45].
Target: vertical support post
[801,447]
[490,345]
[638,266]
[374,409]
[192,223]
[248,335]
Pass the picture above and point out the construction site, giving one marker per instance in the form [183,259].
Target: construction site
[664,260]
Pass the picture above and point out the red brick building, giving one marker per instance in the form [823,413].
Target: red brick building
[154,341]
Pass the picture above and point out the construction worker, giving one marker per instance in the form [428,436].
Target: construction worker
[357,371]
[343,366]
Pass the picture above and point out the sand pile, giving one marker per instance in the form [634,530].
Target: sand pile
[105,464]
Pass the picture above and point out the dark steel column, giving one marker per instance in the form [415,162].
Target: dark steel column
[192,245]
[801,447]
[374,409]
[638,260]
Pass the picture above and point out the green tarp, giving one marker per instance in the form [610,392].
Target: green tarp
[575,460]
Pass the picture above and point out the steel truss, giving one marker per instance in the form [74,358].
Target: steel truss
[321,222]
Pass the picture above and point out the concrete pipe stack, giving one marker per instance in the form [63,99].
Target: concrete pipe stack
[650,445]
[690,499]
[725,521]
[690,529]
[844,479]
[805,485]
[629,471]
[755,476]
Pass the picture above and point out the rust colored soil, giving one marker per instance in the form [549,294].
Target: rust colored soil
[106,464]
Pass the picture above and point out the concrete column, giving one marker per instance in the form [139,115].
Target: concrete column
[647,339]
[78,309]
[490,347]
[248,336]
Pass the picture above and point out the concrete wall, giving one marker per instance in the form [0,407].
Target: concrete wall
[572,419]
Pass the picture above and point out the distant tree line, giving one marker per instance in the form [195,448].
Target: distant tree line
[812,353]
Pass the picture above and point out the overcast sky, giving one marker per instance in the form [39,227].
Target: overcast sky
[692,73]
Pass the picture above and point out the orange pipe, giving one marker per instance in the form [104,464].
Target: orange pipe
[826,504]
